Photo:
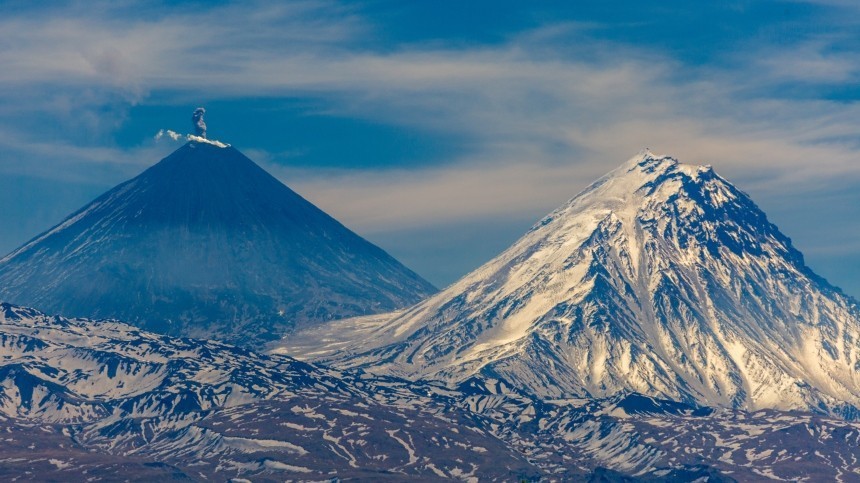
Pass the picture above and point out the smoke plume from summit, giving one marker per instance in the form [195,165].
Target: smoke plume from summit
[197,121]
[199,130]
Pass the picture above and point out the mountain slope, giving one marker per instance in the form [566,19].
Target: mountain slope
[660,278]
[84,399]
[206,410]
[206,243]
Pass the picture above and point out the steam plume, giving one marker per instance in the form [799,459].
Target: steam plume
[197,121]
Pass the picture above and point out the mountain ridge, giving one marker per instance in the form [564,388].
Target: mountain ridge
[83,398]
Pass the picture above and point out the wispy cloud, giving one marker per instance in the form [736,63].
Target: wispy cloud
[544,112]
[168,133]
[529,100]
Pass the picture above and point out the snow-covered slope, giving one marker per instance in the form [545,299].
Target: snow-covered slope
[83,400]
[218,411]
[660,278]
[206,244]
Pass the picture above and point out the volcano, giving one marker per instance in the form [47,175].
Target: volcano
[661,278]
[206,244]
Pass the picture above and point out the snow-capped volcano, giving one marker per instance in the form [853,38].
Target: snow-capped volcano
[207,244]
[660,278]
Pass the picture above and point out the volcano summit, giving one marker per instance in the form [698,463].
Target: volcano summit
[206,244]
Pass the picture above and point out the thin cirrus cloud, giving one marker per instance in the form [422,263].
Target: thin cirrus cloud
[544,111]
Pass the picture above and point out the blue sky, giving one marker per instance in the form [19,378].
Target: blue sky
[442,130]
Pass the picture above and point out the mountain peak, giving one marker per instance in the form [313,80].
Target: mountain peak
[206,243]
[660,278]
[646,157]
[648,167]
[643,183]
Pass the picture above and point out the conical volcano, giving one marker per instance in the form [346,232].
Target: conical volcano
[206,244]
[660,278]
